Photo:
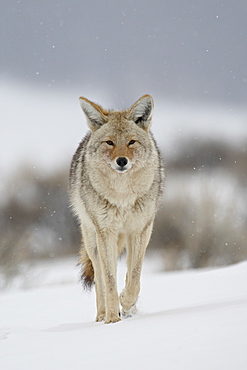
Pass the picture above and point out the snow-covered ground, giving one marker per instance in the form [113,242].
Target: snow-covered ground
[186,320]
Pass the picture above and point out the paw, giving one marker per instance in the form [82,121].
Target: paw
[127,301]
[100,317]
[112,318]
[131,312]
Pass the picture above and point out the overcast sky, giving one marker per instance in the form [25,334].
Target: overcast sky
[194,50]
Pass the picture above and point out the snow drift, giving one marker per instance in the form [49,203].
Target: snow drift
[186,320]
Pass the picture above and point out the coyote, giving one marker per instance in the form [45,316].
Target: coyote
[116,179]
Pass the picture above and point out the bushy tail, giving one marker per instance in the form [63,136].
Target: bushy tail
[87,271]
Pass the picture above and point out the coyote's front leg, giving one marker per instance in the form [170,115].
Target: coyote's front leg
[108,252]
[136,249]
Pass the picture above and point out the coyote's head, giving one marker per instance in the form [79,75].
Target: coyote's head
[119,140]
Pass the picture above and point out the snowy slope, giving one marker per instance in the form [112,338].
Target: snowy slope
[186,320]
[46,126]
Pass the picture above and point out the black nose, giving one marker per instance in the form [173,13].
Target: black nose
[122,161]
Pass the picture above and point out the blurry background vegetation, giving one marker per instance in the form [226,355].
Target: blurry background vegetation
[201,222]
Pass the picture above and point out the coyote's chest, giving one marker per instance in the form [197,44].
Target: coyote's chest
[120,217]
[122,190]
[122,205]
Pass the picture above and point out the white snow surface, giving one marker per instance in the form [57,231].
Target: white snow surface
[186,320]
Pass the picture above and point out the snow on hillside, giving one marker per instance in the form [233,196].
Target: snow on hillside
[42,127]
[187,320]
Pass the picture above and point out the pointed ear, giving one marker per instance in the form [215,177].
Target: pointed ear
[141,112]
[95,114]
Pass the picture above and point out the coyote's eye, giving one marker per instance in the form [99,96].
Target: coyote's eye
[109,142]
[132,142]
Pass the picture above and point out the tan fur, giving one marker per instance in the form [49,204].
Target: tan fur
[115,183]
